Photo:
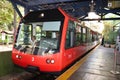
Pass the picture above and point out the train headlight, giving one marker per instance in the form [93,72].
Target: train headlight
[20,57]
[17,56]
[48,61]
[52,61]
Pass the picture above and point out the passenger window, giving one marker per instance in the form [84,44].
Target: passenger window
[78,35]
[38,32]
[84,36]
[70,40]
[89,36]
[25,34]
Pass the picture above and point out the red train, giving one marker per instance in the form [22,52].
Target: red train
[50,40]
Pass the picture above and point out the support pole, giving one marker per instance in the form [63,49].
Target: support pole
[15,22]
[114,71]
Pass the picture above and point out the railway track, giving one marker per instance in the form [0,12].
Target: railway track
[43,77]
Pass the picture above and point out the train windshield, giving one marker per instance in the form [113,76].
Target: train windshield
[38,38]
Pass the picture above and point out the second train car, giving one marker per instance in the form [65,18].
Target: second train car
[50,40]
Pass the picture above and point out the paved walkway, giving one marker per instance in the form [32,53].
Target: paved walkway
[97,66]
[5,48]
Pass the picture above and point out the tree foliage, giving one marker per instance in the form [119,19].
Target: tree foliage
[6,15]
[109,33]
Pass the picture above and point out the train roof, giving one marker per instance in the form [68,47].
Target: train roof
[47,15]
[43,15]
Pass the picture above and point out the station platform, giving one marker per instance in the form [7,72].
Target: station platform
[4,48]
[97,65]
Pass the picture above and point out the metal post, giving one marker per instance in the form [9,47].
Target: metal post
[15,22]
[114,71]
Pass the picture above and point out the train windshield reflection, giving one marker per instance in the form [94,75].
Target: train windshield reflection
[38,38]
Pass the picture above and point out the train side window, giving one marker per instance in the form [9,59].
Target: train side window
[94,36]
[78,35]
[89,36]
[70,40]
[24,34]
[84,36]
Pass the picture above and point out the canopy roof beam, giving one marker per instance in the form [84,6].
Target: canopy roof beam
[16,8]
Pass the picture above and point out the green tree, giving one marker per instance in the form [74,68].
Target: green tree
[109,34]
[6,15]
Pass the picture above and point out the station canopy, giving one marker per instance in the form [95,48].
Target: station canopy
[76,8]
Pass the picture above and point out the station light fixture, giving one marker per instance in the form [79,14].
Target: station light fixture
[41,15]
[92,14]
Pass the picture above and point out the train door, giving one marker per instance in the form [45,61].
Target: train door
[69,45]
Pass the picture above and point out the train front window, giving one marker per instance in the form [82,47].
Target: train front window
[24,34]
[39,38]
